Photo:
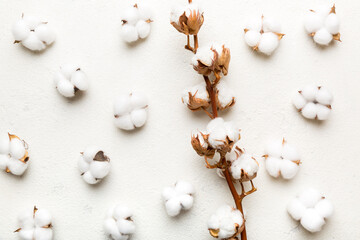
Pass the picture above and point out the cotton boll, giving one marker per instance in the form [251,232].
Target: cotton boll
[83,165]
[299,101]
[272,166]
[131,15]
[323,96]
[124,122]
[252,38]
[31,21]
[290,152]
[45,34]
[69,69]
[268,43]
[99,169]
[17,148]
[271,25]
[254,24]
[313,22]
[274,148]
[129,33]
[125,226]
[205,55]
[138,117]
[225,95]
[178,197]
[122,212]
[168,193]
[111,228]
[16,166]
[311,221]
[309,92]
[310,197]
[309,111]
[173,207]
[27,234]
[120,227]
[145,12]
[138,100]
[186,201]
[33,43]
[20,30]
[25,218]
[332,23]
[323,10]
[78,78]
[122,104]
[323,112]
[143,28]
[4,161]
[90,153]
[296,209]
[323,37]
[89,178]
[288,169]
[183,187]
[4,143]
[324,208]
[65,88]
[42,218]
[43,234]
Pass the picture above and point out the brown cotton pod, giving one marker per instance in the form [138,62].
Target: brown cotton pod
[195,103]
[200,145]
[191,24]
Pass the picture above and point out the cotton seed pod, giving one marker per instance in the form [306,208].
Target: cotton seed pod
[244,167]
[263,34]
[178,197]
[314,102]
[118,223]
[226,223]
[214,58]
[196,97]
[201,146]
[311,208]
[70,79]
[14,154]
[94,165]
[35,224]
[323,25]
[136,22]
[188,18]
[282,159]
[130,110]
[224,96]
[33,33]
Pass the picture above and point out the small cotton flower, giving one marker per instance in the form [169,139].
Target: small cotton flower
[323,25]
[311,209]
[222,134]
[187,18]
[214,58]
[70,79]
[196,97]
[130,110]
[226,223]
[33,33]
[178,197]
[118,223]
[263,34]
[14,154]
[35,224]
[136,22]
[282,159]
[314,102]
[224,96]
[94,165]
[244,167]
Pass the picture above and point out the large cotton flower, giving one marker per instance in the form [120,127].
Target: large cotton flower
[178,197]
[33,33]
[14,155]
[118,223]
[311,209]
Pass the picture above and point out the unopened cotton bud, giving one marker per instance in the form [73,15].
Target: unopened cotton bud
[178,197]
[70,79]
[93,165]
[130,110]
[118,223]
[33,33]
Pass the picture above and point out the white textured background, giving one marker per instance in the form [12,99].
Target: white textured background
[145,161]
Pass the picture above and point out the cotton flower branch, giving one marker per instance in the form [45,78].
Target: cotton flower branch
[221,138]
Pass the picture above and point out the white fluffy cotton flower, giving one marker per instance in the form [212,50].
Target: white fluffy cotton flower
[226,223]
[323,24]
[35,224]
[70,79]
[14,154]
[136,22]
[314,102]
[178,197]
[220,133]
[94,165]
[196,97]
[311,208]
[130,110]
[118,223]
[282,159]
[263,34]
[244,166]
[33,33]
[224,96]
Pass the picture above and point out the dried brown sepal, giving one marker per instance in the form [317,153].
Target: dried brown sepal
[332,9]
[195,103]
[218,104]
[336,37]
[189,25]
[101,157]
[214,232]
[198,147]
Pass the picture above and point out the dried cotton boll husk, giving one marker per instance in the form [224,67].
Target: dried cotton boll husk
[199,142]
[94,165]
[323,25]
[187,18]
[282,159]
[70,79]
[311,208]
[196,97]
[178,197]
[136,22]
[130,110]
[118,224]
[14,154]
[35,224]
[263,34]
[33,33]
[226,223]
[224,96]
[314,102]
